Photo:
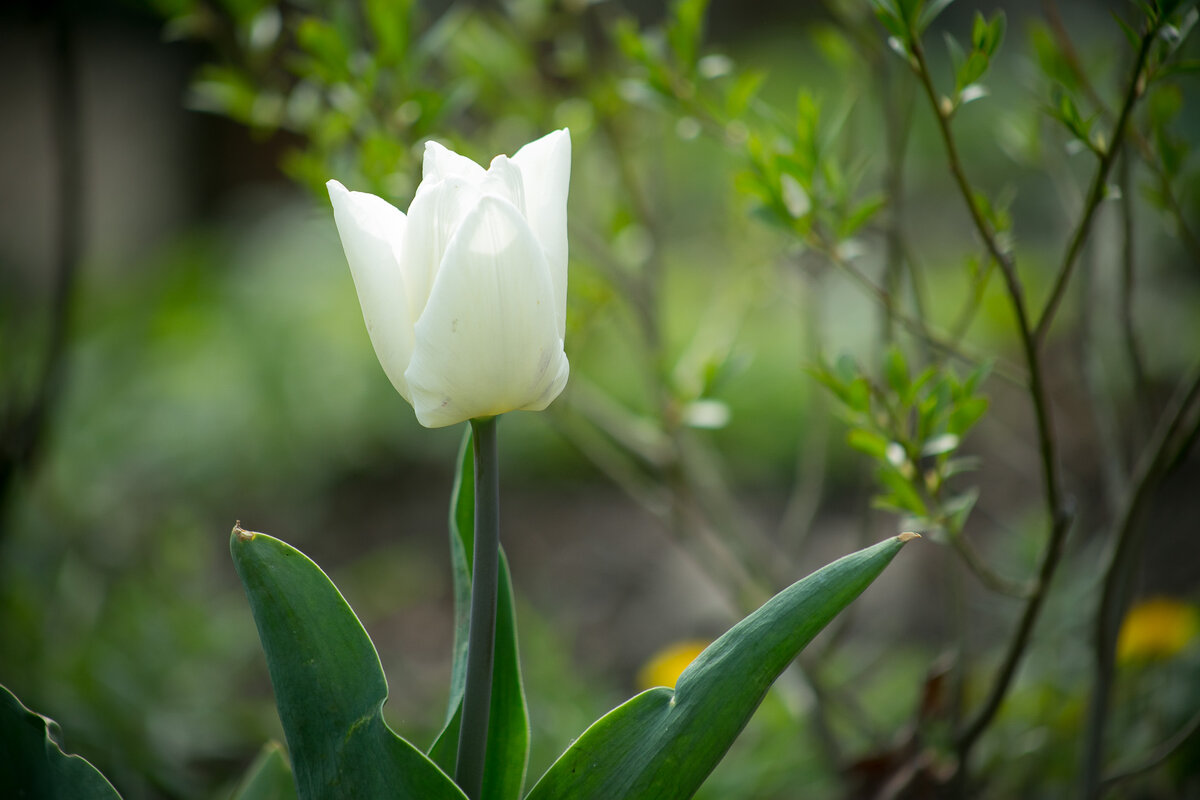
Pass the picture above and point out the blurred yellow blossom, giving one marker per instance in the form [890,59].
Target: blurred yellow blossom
[1156,628]
[667,664]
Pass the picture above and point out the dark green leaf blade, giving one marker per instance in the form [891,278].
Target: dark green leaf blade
[662,744]
[269,777]
[508,723]
[329,685]
[33,764]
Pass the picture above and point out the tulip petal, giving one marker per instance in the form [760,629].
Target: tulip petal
[546,172]
[371,230]
[441,163]
[488,342]
[504,180]
[435,214]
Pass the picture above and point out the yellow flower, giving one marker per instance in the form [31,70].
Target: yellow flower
[667,664]
[1157,628]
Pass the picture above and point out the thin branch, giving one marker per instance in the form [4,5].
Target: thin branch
[1145,150]
[1098,188]
[916,327]
[898,115]
[1128,258]
[1170,439]
[970,309]
[1055,506]
[979,568]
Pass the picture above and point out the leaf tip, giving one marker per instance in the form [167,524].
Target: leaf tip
[241,533]
[908,536]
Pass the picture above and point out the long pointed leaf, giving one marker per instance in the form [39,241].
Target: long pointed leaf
[508,725]
[662,744]
[33,764]
[329,685]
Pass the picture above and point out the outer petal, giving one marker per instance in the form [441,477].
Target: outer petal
[371,230]
[435,214]
[488,341]
[441,163]
[546,170]
[504,180]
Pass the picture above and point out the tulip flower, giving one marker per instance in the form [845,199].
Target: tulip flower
[465,296]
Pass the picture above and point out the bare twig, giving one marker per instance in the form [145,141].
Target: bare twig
[1055,506]
[979,568]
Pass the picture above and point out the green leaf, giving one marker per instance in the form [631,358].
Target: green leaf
[972,70]
[869,442]
[330,52]
[389,22]
[743,92]
[862,214]
[979,32]
[662,744]
[895,369]
[966,414]
[269,777]
[329,685]
[508,719]
[903,495]
[686,30]
[891,18]
[33,763]
[958,508]
[995,33]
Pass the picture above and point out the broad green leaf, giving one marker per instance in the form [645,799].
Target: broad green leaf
[508,719]
[329,685]
[269,777]
[662,744]
[32,761]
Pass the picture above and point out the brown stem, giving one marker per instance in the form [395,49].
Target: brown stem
[1055,506]
[1128,329]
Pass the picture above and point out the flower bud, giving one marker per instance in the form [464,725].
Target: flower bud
[465,297]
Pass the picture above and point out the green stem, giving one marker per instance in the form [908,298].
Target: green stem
[477,696]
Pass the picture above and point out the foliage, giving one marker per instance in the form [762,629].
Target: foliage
[976,231]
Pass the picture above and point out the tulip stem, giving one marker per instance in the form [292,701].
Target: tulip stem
[477,696]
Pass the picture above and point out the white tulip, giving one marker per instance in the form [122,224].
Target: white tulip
[465,298]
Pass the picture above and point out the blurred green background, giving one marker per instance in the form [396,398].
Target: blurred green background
[215,368]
